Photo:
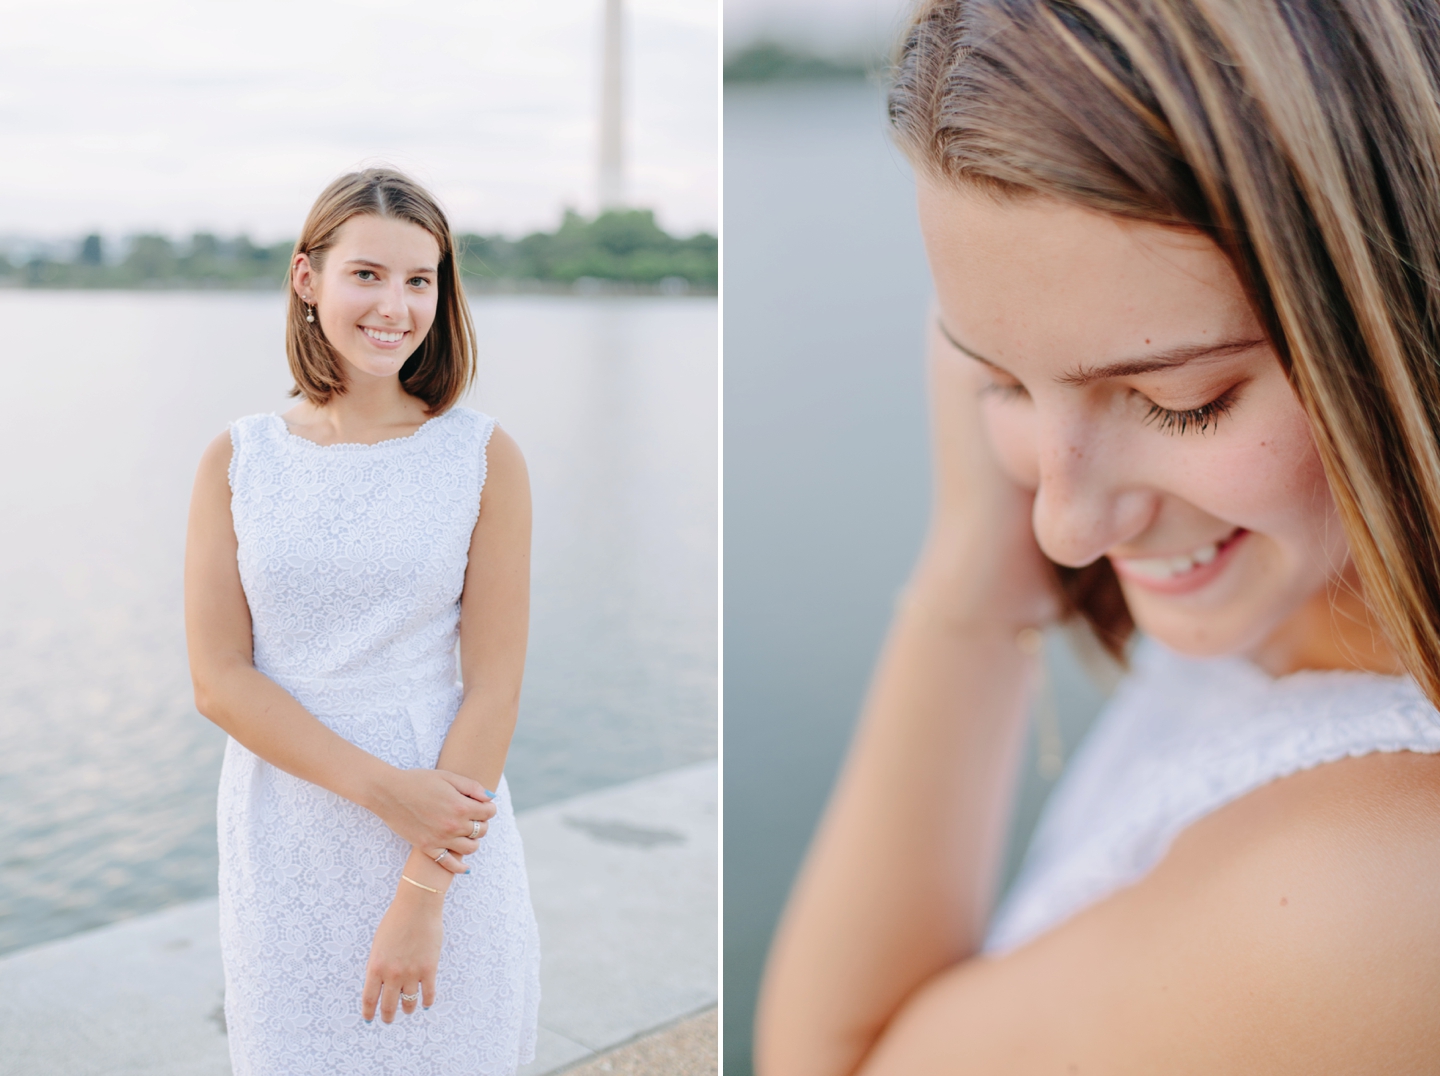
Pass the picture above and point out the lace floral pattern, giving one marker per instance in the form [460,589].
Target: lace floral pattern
[353,560]
[1180,739]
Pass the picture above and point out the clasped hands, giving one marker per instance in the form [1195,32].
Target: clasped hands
[437,811]
[443,816]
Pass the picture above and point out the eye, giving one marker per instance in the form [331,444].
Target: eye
[1005,390]
[419,282]
[1197,419]
[365,274]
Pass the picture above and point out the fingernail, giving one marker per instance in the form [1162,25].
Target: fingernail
[488,792]
[467,870]
[369,1019]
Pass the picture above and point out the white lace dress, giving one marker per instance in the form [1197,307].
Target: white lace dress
[1180,739]
[353,559]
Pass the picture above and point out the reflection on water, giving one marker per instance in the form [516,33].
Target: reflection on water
[107,774]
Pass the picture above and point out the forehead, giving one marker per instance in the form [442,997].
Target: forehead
[1038,280]
[370,235]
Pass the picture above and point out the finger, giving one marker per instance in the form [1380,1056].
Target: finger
[409,990]
[450,861]
[463,846]
[465,785]
[427,987]
[370,996]
[389,999]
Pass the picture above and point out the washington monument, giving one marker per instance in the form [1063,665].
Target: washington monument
[612,136]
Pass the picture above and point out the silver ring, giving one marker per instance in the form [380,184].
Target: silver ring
[409,997]
[475,833]
[444,852]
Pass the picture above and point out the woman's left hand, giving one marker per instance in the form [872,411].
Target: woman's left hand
[405,953]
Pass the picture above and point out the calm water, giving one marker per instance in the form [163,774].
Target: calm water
[107,773]
[826,478]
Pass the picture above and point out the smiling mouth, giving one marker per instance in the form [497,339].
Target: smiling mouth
[1178,566]
[382,337]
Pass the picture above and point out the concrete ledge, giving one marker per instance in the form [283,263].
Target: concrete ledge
[624,884]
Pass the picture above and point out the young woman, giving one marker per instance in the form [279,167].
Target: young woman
[1184,377]
[337,555]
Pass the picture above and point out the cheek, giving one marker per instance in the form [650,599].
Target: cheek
[1270,481]
[1010,427]
[423,311]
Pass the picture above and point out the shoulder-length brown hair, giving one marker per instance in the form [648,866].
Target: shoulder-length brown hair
[443,366]
[1303,137]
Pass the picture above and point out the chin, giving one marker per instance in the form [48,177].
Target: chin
[1238,627]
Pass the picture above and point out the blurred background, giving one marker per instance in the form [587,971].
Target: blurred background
[163,156]
[826,476]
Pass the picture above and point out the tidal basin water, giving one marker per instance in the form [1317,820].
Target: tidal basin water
[107,773]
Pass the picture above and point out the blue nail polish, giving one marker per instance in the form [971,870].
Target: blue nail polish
[488,792]
[369,1019]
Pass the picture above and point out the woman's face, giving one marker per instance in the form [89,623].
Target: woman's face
[375,294]
[1129,385]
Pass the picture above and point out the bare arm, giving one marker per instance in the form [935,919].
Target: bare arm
[1291,932]
[899,881]
[494,619]
[425,807]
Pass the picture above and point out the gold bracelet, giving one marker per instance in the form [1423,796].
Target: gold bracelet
[413,882]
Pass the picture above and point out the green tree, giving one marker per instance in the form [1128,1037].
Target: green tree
[151,257]
[92,251]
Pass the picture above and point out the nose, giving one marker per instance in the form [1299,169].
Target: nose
[390,304]
[1088,499]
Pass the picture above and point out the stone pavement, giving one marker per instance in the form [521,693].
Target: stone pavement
[624,884]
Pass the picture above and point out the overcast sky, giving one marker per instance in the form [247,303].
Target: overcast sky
[231,115]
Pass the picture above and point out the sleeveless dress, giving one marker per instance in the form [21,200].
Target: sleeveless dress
[353,559]
[1181,738]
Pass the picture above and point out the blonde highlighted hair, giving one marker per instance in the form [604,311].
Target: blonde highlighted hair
[443,366]
[1303,137]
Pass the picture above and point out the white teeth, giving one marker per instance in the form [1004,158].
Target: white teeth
[384,337]
[1151,567]
[1169,567]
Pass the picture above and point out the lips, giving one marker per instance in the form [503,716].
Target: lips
[1177,573]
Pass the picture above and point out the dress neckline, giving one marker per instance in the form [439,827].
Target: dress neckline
[285,431]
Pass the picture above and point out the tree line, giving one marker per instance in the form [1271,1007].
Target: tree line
[626,248]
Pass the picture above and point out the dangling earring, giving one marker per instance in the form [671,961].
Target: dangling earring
[310,313]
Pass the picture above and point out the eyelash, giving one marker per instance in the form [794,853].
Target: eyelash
[1199,418]
[1196,419]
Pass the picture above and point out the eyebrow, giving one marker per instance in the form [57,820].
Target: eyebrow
[1144,364]
[423,269]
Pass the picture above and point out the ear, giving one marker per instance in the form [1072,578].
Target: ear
[303,276]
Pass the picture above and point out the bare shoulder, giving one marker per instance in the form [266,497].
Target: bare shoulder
[212,476]
[503,457]
[1295,930]
[506,474]
[505,496]
[216,457]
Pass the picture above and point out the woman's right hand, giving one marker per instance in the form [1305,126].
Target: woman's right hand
[436,811]
[981,565]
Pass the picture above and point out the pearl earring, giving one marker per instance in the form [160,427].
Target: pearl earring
[310,313]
